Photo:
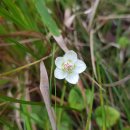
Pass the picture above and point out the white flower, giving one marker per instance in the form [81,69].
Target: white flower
[69,67]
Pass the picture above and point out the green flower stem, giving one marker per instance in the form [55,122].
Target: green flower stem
[101,96]
[88,123]
[62,100]
[52,66]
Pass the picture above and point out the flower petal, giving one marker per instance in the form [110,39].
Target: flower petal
[59,61]
[71,56]
[80,66]
[72,78]
[59,74]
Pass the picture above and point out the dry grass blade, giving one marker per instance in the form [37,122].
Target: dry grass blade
[110,17]
[92,52]
[26,41]
[44,88]
[68,18]
[60,41]
[95,6]
[23,34]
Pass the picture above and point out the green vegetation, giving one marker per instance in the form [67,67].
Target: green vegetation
[34,32]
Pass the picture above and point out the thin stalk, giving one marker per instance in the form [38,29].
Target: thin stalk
[88,123]
[52,66]
[62,100]
[101,97]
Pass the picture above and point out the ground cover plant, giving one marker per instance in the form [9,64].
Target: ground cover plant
[64,65]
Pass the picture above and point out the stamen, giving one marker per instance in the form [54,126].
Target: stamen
[68,66]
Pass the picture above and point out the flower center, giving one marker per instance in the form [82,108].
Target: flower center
[68,66]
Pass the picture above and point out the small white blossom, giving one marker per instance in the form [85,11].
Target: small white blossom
[69,67]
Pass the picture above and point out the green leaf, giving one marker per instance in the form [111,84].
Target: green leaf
[126,128]
[75,99]
[3,81]
[123,41]
[12,12]
[23,48]
[106,115]
[40,120]
[14,100]
[7,123]
[66,122]
[89,96]
[46,18]
[27,120]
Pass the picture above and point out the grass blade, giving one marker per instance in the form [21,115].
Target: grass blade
[46,18]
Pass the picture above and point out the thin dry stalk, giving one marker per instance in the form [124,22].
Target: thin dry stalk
[120,82]
[23,67]
[53,97]
[24,34]
[27,94]
[111,17]
[16,112]
[94,81]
